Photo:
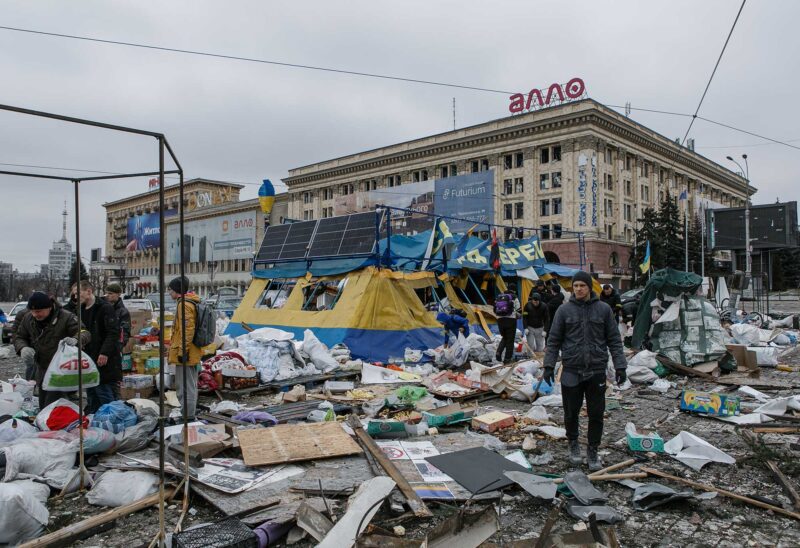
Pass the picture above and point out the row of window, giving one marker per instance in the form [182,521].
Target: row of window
[231,265]
[551,206]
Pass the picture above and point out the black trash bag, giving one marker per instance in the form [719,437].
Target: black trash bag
[582,488]
[651,495]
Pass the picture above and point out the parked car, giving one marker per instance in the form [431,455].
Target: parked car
[631,295]
[169,302]
[227,305]
[10,326]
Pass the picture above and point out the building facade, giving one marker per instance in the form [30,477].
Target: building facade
[578,167]
[221,235]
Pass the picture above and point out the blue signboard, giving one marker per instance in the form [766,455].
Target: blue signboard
[143,230]
[468,196]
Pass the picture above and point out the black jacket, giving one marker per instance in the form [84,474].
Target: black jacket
[584,332]
[613,301]
[536,316]
[44,336]
[554,303]
[124,321]
[101,322]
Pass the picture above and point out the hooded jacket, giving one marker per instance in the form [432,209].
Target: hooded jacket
[101,321]
[536,316]
[44,336]
[124,321]
[585,332]
[193,352]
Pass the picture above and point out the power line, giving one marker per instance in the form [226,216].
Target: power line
[776,141]
[713,72]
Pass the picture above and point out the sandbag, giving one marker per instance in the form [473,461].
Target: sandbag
[41,458]
[117,488]
[95,440]
[10,403]
[645,358]
[641,374]
[114,417]
[745,333]
[13,429]
[57,416]
[318,352]
[62,372]
[23,516]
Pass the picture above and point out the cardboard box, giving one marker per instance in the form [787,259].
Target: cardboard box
[642,440]
[492,422]
[139,320]
[710,403]
[449,414]
[745,359]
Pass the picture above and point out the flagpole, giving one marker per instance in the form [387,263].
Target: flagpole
[686,233]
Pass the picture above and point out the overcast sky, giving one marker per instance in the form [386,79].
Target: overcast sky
[243,122]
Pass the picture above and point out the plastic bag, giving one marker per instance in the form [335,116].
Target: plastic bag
[58,415]
[318,352]
[42,458]
[645,358]
[13,429]
[137,437]
[456,354]
[10,403]
[641,374]
[25,388]
[116,488]
[114,417]
[23,515]
[95,440]
[745,333]
[62,373]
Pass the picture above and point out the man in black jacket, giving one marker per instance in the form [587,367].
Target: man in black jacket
[610,296]
[114,297]
[584,330]
[100,320]
[536,318]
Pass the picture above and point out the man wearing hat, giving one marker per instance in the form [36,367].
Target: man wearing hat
[114,297]
[611,297]
[38,335]
[584,331]
[536,318]
[187,360]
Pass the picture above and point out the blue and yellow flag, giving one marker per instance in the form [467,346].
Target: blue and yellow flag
[645,266]
[441,240]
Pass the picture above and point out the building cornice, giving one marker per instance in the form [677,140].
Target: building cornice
[172,189]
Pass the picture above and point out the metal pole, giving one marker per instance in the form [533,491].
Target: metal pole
[702,242]
[747,243]
[686,237]
[161,322]
[184,353]
[81,466]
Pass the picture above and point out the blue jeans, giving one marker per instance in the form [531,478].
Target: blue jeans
[101,394]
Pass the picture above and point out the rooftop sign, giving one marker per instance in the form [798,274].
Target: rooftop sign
[555,95]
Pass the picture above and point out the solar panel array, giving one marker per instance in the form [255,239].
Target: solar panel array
[330,237]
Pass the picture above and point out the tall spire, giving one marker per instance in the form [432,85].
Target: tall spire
[64,225]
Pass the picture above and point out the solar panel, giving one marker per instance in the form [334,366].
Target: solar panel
[274,238]
[346,235]
[296,245]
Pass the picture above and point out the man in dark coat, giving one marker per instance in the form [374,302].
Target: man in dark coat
[536,318]
[584,331]
[555,301]
[100,320]
[610,296]
[38,334]
[114,297]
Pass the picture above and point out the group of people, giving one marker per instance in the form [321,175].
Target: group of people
[103,331]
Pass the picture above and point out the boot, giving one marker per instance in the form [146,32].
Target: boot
[593,458]
[575,452]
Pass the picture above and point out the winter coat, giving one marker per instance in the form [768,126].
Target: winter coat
[193,352]
[452,323]
[124,322]
[44,336]
[613,301]
[536,316]
[584,332]
[101,321]
[554,303]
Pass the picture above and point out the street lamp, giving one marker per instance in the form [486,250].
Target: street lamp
[747,247]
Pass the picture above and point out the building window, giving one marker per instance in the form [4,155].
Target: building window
[327,212]
[508,161]
[393,181]
[610,232]
[372,184]
[544,208]
[415,177]
[544,232]
[519,187]
[609,207]
[544,155]
[556,176]
[327,194]
[557,153]
[475,166]
[508,186]
[509,233]
[519,210]
[519,159]
[322,295]
[453,170]
[508,211]
[613,259]
[484,165]
[448,171]
[557,206]
[628,162]
[646,169]
[347,189]
[609,156]
[628,188]
[308,215]
[628,212]
[308,197]
[557,231]
[609,182]
[544,181]
[645,193]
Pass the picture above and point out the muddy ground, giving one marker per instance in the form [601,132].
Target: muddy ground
[716,522]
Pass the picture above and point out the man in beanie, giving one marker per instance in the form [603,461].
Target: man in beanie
[114,298]
[38,335]
[584,330]
[186,359]
[536,318]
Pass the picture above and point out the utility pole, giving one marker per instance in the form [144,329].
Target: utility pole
[702,241]
[747,244]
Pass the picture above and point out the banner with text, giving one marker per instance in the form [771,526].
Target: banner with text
[514,255]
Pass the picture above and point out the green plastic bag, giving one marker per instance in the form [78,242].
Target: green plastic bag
[410,394]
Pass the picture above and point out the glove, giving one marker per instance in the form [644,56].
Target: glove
[621,376]
[549,375]
[70,341]
[27,354]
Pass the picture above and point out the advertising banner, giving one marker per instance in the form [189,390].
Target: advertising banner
[514,255]
[144,232]
[416,196]
[215,239]
[468,196]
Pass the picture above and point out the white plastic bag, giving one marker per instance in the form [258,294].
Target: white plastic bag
[22,386]
[10,403]
[744,333]
[13,429]
[23,515]
[641,374]
[457,353]
[117,488]
[645,358]
[41,458]
[318,352]
[766,355]
[62,373]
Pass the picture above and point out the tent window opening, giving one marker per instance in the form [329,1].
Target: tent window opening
[275,294]
[322,295]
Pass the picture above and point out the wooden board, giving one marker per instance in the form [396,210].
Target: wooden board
[295,442]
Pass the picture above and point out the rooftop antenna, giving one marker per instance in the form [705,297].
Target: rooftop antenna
[454,113]
[627,109]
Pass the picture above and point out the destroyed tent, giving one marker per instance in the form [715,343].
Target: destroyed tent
[676,322]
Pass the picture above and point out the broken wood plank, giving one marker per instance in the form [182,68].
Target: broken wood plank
[294,443]
[464,529]
[541,542]
[679,368]
[776,429]
[723,492]
[68,534]
[312,521]
[785,483]
[362,507]
[414,502]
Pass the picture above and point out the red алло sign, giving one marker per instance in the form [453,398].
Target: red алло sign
[555,94]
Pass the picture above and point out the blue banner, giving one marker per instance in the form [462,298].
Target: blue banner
[144,232]
[514,255]
[469,197]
